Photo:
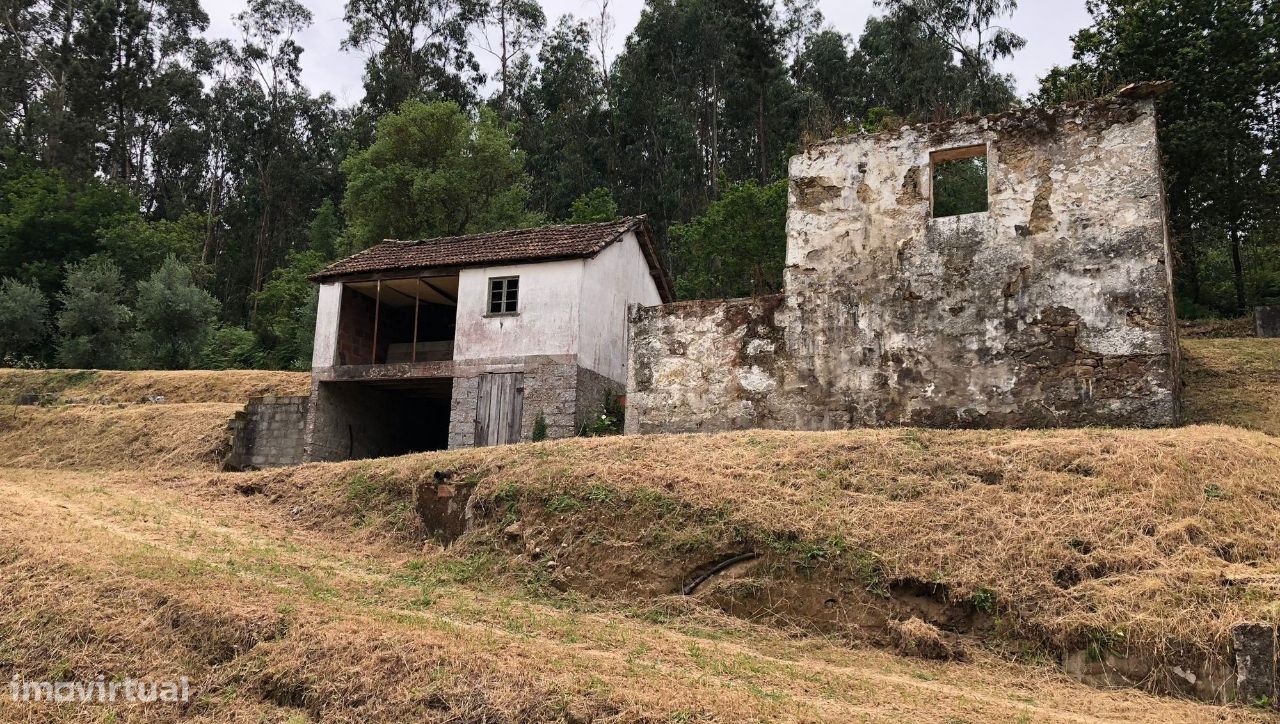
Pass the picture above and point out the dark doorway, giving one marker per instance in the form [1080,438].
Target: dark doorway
[381,419]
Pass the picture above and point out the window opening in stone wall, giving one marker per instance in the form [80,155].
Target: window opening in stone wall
[959,181]
[504,295]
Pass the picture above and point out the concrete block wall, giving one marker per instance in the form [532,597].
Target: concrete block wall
[268,432]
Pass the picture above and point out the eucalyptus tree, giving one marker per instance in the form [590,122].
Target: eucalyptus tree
[417,49]
[968,28]
[511,29]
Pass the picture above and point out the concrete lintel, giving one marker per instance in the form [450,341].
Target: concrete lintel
[441,369]
[397,371]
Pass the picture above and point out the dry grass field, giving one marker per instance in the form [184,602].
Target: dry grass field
[308,593]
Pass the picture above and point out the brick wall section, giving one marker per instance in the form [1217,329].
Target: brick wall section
[268,432]
[355,329]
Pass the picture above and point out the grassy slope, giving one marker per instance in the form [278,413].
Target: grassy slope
[300,593]
[1233,382]
[107,386]
[110,575]
[106,419]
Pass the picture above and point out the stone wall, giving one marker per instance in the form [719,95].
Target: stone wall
[593,390]
[1052,308]
[554,385]
[1257,653]
[268,432]
[705,366]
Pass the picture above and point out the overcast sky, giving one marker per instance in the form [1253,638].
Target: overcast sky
[1046,24]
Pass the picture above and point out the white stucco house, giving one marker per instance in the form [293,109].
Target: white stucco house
[463,341]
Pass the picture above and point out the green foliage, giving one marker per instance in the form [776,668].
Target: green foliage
[231,348]
[140,247]
[564,503]
[324,231]
[433,171]
[968,31]
[960,187]
[539,428]
[737,248]
[24,320]
[700,96]
[174,317]
[565,127]
[47,222]
[608,421]
[984,599]
[287,311]
[595,205]
[417,49]
[93,322]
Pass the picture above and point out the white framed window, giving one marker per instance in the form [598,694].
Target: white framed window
[504,295]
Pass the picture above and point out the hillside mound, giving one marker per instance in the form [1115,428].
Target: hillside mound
[109,437]
[1120,552]
[52,387]
[136,420]
[297,596]
[1232,382]
[1124,556]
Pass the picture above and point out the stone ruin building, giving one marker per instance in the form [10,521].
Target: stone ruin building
[1006,271]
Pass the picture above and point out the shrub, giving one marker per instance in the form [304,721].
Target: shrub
[24,319]
[93,322]
[174,317]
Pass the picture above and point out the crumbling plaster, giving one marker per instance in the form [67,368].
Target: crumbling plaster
[1052,308]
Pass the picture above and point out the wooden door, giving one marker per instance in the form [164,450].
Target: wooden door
[499,407]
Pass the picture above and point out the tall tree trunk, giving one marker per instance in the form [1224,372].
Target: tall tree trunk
[714,118]
[215,198]
[760,134]
[1237,268]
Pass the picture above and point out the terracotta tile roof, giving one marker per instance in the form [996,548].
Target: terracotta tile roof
[546,243]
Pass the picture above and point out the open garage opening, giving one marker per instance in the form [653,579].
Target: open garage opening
[381,418]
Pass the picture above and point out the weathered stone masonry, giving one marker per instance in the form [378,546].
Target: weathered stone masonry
[1052,308]
[555,386]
